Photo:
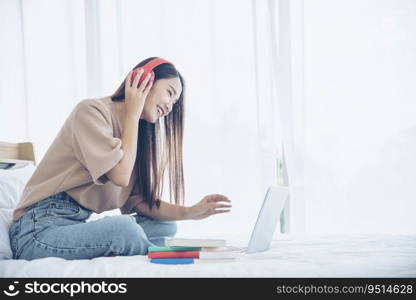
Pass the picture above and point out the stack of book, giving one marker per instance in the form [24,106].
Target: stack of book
[190,251]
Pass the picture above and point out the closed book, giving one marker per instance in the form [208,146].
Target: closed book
[187,242]
[165,248]
[220,249]
[205,255]
[192,254]
[187,261]
[211,261]
[173,254]
[172,261]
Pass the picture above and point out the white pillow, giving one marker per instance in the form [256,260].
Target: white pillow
[6,215]
[12,183]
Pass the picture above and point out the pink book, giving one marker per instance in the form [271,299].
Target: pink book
[193,254]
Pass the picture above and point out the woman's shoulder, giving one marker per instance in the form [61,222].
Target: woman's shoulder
[98,103]
[93,108]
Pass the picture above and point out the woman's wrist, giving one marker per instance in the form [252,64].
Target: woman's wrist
[165,212]
[186,213]
[131,118]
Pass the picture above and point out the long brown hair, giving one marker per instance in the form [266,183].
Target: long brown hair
[154,153]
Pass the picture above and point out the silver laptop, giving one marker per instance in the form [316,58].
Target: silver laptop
[262,234]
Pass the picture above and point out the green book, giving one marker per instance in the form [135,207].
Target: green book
[175,248]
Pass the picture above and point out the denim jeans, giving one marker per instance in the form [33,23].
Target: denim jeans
[57,226]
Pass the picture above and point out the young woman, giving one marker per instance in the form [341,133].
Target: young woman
[110,154]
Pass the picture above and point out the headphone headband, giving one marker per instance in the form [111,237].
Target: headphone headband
[154,63]
[148,68]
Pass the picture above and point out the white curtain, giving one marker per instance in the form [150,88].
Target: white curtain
[329,84]
[56,53]
[347,93]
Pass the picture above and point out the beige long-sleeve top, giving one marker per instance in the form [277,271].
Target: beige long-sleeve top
[87,146]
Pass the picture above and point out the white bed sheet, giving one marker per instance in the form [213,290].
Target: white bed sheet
[289,256]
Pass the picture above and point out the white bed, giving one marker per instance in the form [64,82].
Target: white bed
[289,256]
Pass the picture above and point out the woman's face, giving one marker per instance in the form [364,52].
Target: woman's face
[163,94]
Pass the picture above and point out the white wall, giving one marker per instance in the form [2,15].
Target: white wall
[360,122]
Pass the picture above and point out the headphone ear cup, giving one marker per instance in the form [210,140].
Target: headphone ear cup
[152,76]
[144,74]
[134,76]
[148,68]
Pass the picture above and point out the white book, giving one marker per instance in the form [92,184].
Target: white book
[221,249]
[190,242]
[213,261]
[217,255]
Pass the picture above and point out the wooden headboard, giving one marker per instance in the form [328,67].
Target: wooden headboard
[16,155]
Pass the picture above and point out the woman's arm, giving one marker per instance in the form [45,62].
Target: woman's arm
[168,212]
[165,212]
[120,173]
[135,98]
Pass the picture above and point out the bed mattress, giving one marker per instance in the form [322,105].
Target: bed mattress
[289,256]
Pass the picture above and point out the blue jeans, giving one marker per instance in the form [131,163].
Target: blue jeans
[56,226]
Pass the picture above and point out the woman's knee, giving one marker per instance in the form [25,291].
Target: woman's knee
[156,228]
[159,231]
[129,237]
[168,228]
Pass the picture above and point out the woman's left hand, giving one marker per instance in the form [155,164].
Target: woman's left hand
[208,206]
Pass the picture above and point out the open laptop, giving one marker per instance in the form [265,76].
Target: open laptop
[262,234]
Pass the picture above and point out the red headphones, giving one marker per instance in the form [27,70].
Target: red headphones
[148,68]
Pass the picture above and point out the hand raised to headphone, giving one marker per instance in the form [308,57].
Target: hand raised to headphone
[135,93]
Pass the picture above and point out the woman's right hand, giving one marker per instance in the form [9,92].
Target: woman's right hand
[135,95]
[207,206]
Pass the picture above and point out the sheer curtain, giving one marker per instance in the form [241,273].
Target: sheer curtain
[328,85]
[347,97]
[56,53]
